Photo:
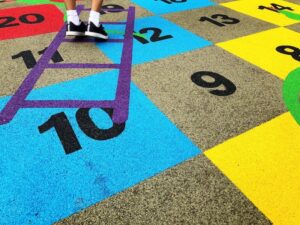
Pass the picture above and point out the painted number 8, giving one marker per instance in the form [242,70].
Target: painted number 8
[289,50]
[219,80]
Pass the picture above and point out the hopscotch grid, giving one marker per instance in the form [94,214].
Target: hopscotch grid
[119,105]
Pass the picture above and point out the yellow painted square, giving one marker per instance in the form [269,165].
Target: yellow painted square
[264,163]
[250,8]
[260,50]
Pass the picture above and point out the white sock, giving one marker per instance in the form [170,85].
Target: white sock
[73,17]
[95,18]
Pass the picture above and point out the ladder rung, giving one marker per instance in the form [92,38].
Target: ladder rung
[89,40]
[67,104]
[108,10]
[115,23]
[82,66]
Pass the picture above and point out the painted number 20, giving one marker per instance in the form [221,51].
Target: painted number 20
[8,20]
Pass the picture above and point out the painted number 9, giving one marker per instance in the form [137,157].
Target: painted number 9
[218,80]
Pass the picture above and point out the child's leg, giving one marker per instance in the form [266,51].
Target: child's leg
[95,12]
[74,27]
[72,15]
[70,4]
[96,5]
[94,29]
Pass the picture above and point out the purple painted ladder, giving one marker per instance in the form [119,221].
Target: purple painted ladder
[121,103]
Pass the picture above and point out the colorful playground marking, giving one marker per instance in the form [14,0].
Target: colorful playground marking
[169,6]
[119,105]
[65,184]
[163,39]
[291,15]
[267,10]
[74,143]
[291,93]
[264,164]
[29,20]
[262,49]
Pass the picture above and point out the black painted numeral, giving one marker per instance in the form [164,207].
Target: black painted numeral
[115,8]
[26,18]
[289,50]
[91,130]
[275,7]
[155,36]
[30,61]
[56,58]
[67,135]
[7,22]
[27,57]
[225,20]
[219,80]
[64,131]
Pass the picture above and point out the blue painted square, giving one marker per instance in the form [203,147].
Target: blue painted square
[115,31]
[163,38]
[40,184]
[170,6]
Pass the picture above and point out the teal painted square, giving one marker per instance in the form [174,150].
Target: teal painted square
[171,40]
[40,184]
[170,6]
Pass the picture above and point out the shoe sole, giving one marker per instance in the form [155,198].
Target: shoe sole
[75,33]
[96,35]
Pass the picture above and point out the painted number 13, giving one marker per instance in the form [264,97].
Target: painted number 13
[215,19]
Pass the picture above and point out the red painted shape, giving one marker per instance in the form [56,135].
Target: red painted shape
[29,21]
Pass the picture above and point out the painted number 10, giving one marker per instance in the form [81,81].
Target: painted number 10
[67,136]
